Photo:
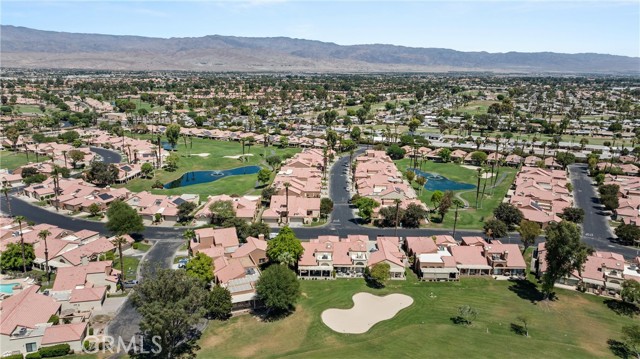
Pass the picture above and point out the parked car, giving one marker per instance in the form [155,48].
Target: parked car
[130,283]
[183,263]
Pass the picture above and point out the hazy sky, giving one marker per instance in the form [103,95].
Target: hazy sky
[606,26]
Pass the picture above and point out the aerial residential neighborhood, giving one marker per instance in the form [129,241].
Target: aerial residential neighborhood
[273,179]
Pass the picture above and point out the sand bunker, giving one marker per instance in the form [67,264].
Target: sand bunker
[201,154]
[238,156]
[367,310]
[475,168]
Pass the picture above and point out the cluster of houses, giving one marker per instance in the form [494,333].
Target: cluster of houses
[603,272]
[236,266]
[436,258]
[541,194]
[628,211]
[83,278]
[298,184]
[377,177]
[76,195]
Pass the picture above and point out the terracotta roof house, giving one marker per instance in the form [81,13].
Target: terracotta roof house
[389,252]
[72,334]
[346,257]
[226,238]
[24,320]
[245,207]
[470,260]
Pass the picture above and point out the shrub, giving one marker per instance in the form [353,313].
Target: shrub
[135,246]
[55,350]
[54,319]
[90,331]
[34,355]
[14,356]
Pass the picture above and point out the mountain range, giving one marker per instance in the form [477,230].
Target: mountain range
[23,47]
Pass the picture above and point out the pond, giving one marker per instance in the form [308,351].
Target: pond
[167,146]
[197,177]
[436,182]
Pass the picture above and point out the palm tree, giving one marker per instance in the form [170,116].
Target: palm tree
[497,159]
[458,203]
[189,235]
[19,220]
[119,241]
[421,181]
[43,234]
[56,185]
[397,201]
[64,154]
[479,176]
[5,191]
[286,191]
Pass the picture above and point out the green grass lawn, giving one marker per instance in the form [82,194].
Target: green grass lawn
[28,109]
[244,184]
[11,160]
[476,107]
[469,218]
[130,266]
[143,247]
[574,326]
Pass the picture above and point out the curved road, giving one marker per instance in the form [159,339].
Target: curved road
[108,156]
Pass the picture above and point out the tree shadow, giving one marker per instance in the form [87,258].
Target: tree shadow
[518,329]
[622,308]
[526,290]
[619,349]
[267,315]
[458,320]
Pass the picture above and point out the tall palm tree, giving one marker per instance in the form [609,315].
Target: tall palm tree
[286,192]
[19,220]
[189,235]
[56,185]
[497,159]
[458,203]
[43,234]
[397,201]
[119,241]
[64,154]
[5,191]
[479,176]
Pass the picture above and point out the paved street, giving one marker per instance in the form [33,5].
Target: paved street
[595,228]
[108,156]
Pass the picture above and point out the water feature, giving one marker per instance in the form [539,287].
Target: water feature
[7,288]
[197,177]
[436,182]
[167,146]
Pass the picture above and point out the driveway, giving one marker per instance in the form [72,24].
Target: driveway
[595,228]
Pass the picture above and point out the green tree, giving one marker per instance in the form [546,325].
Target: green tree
[11,257]
[274,161]
[467,314]
[146,170]
[529,231]
[421,181]
[170,303]
[43,234]
[102,173]
[630,291]
[479,157]
[171,163]
[326,207]
[119,241]
[495,228]
[365,207]
[389,215]
[445,204]
[565,159]
[413,215]
[255,229]
[184,211]
[565,253]
[572,214]
[379,274]
[221,211]
[201,267]
[23,249]
[395,152]
[189,236]
[76,156]
[609,196]
[410,175]
[278,288]
[628,233]
[285,242]
[355,134]
[264,175]
[173,134]
[219,303]
[631,338]
[94,209]
[508,213]
[436,198]
[122,219]
[414,124]
[445,155]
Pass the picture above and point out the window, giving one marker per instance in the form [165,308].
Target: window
[31,347]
